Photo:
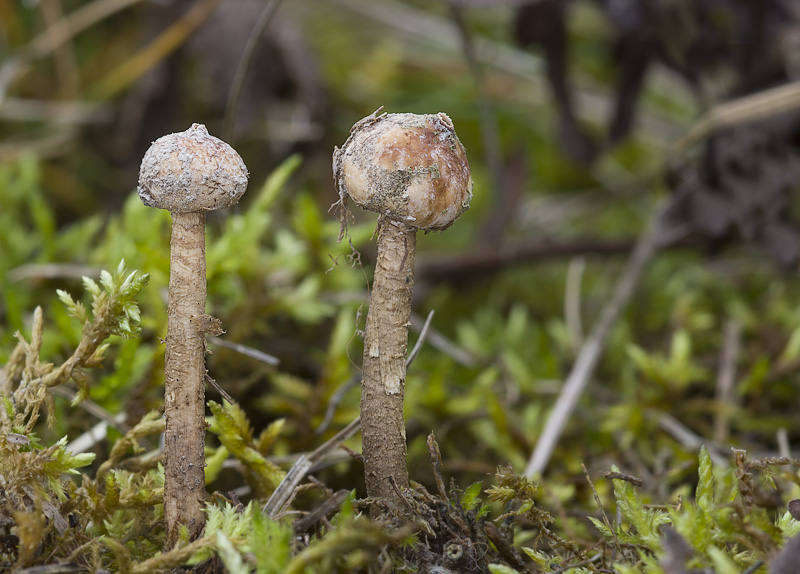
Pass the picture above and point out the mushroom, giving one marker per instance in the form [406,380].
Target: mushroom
[413,171]
[188,173]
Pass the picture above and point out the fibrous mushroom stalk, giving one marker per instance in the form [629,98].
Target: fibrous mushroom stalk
[383,371]
[184,381]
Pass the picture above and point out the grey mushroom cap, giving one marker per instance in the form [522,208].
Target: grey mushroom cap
[191,171]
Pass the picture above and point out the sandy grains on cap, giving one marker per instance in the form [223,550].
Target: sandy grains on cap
[191,171]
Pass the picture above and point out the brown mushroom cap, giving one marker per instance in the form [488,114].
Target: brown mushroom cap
[191,171]
[411,168]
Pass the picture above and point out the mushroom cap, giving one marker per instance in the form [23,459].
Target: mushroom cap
[191,171]
[408,167]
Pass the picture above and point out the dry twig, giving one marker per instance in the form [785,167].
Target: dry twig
[303,466]
[583,369]
[758,106]
[726,378]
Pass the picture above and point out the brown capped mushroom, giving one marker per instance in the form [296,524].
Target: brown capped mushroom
[413,171]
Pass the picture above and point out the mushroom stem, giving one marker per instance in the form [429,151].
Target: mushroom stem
[384,365]
[184,460]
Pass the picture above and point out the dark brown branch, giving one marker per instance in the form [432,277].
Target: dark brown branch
[479,264]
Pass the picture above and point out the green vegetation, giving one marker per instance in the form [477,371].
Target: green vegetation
[678,456]
[662,353]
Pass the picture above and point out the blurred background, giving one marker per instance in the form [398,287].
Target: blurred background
[591,126]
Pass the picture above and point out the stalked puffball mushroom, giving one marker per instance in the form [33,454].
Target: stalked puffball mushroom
[188,173]
[413,171]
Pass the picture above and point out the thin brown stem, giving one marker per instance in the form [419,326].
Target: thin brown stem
[184,458]
[384,366]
